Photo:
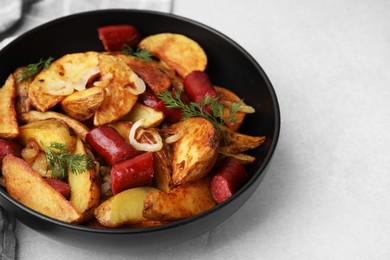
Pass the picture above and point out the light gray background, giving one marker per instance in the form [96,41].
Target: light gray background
[327,192]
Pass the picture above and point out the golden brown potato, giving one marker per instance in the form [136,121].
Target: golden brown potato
[178,51]
[184,201]
[8,121]
[162,166]
[149,72]
[244,159]
[23,102]
[226,98]
[195,153]
[46,132]
[66,74]
[123,128]
[125,207]
[152,117]
[240,142]
[82,105]
[84,188]
[119,82]
[33,116]
[29,188]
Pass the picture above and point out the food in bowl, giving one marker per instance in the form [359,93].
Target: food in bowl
[133,136]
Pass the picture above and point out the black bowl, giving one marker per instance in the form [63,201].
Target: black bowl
[229,66]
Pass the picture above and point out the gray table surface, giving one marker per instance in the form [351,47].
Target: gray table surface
[327,192]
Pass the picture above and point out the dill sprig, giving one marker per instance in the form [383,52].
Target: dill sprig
[141,54]
[59,160]
[34,68]
[202,109]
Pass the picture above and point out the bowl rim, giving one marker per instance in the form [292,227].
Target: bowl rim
[136,230]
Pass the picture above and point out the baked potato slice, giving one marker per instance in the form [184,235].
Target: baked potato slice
[8,121]
[123,128]
[125,207]
[162,166]
[196,152]
[176,50]
[23,102]
[82,105]
[63,76]
[239,142]
[119,83]
[228,97]
[80,129]
[30,189]
[184,201]
[84,188]
[244,159]
[46,132]
[157,80]
[152,117]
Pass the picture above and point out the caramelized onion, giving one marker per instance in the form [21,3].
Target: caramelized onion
[85,76]
[59,88]
[157,146]
[105,79]
[173,138]
[138,86]
[246,109]
[243,108]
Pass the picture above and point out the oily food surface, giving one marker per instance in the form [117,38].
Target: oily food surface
[131,138]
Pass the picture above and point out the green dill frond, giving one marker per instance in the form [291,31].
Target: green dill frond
[141,54]
[60,161]
[34,68]
[199,109]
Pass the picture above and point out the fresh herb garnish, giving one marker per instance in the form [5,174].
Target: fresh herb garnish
[141,54]
[201,109]
[59,160]
[34,68]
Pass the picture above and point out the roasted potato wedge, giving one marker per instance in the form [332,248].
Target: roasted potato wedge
[157,80]
[196,152]
[8,120]
[118,82]
[244,159]
[123,128]
[178,51]
[84,188]
[239,142]
[181,202]
[162,165]
[33,116]
[152,117]
[30,189]
[23,102]
[82,105]
[226,98]
[47,131]
[66,74]
[123,208]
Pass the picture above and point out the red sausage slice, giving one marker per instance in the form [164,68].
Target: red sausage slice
[133,172]
[60,186]
[197,85]
[110,145]
[114,37]
[229,178]
[7,147]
